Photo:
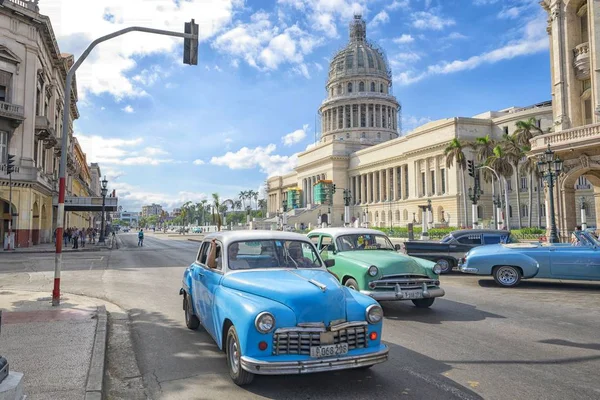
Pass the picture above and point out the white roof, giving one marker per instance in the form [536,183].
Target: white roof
[236,236]
[335,232]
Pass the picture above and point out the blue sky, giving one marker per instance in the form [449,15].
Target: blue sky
[166,132]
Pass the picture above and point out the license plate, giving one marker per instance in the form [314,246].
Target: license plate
[415,294]
[329,351]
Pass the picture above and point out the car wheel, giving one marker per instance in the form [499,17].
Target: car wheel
[234,354]
[423,303]
[191,321]
[507,276]
[351,283]
[446,265]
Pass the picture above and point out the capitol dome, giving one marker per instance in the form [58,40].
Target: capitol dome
[360,106]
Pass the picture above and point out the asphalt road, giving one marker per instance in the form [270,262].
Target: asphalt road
[538,341]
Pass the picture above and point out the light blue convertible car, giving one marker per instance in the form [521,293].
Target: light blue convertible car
[274,308]
[509,263]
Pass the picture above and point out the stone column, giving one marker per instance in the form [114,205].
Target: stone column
[344,117]
[397,195]
[351,115]
[381,115]
[368,187]
[569,207]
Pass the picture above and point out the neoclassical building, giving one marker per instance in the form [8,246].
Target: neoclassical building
[388,175]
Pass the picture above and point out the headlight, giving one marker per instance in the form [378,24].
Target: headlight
[374,314]
[264,322]
[437,268]
[373,270]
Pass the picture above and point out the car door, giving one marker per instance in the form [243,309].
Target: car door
[326,247]
[208,281]
[575,262]
[463,244]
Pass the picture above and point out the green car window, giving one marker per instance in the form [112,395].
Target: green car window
[363,242]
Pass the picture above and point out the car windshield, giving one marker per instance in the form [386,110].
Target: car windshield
[446,239]
[272,254]
[363,242]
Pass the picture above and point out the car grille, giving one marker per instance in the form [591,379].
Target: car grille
[299,340]
[405,282]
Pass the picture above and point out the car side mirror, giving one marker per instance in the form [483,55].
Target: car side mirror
[329,263]
[397,247]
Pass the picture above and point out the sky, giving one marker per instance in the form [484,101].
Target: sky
[167,133]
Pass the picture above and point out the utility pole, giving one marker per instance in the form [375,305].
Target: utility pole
[10,168]
[190,57]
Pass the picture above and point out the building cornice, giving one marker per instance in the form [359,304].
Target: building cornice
[400,158]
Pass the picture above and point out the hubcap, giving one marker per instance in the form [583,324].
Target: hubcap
[351,286]
[233,355]
[444,264]
[507,275]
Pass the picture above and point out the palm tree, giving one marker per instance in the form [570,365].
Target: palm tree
[242,196]
[514,153]
[217,205]
[454,152]
[262,204]
[484,148]
[202,208]
[255,196]
[499,162]
[529,168]
[525,131]
[238,205]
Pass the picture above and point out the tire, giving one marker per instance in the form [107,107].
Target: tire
[507,276]
[446,265]
[238,375]
[423,303]
[352,284]
[191,321]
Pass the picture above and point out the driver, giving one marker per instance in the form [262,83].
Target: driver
[232,252]
[295,252]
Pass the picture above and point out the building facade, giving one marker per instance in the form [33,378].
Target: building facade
[152,209]
[132,219]
[385,178]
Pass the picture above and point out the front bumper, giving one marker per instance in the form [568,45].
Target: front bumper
[468,270]
[261,367]
[404,294]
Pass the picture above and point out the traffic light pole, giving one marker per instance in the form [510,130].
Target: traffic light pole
[10,210]
[65,143]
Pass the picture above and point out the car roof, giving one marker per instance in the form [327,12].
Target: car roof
[227,237]
[335,232]
[478,231]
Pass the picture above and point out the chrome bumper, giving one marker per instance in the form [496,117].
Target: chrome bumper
[399,294]
[468,270]
[260,367]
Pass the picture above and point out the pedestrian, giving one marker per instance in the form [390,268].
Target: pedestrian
[82,237]
[94,236]
[574,238]
[141,238]
[75,238]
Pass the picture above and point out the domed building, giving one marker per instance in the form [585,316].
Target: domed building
[383,177]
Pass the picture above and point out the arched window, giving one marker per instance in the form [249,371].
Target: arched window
[405,215]
[339,89]
[372,86]
[509,211]
[397,215]
[363,135]
[349,87]
[381,87]
[361,87]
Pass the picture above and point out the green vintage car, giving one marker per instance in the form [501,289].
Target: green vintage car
[366,260]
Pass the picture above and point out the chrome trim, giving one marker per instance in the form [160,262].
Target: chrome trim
[369,309]
[469,270]
[312,325]
[256,322]
[318,284]
[347,325]
[297,340]
[389,295]
[260,367]
[300,329]
[405,281]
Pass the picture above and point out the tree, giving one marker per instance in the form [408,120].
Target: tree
[202,208]
[255,196]
[514,153]
[243,195]
[484,148]
[217,205]
[525,131]
[454,153]
[262,204]
[499,162]
[529,168]
[237,205]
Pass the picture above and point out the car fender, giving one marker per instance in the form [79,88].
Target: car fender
[486,264]
[351,269]
[242,309]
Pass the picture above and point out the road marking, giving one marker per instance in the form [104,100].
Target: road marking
[473,384]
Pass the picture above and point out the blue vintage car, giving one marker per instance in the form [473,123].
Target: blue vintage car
[509,263]
[271,304]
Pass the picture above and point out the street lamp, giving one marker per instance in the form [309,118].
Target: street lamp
[474,196]
[583,213]
[104,190]
[347,200]
[550,168]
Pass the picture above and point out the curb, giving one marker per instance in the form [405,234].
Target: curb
[95,376]
[54,251]
[195,240]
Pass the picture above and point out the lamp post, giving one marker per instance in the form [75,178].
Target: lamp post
[498,204]
[284,215]
[550,168]
[104,190]
[474,196]
[366,219]
[583,216]
[347,200]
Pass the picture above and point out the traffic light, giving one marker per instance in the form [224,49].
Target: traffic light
[334,188]
[190,46]
[471,168]
[10,164]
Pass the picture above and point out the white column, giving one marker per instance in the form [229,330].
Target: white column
[583,219]
[381,116]
[368,188]
[475,216]
[368,115]
[344,117]
[351,116]
[397,195]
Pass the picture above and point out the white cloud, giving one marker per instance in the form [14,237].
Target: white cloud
[484,2]
[258,157]
[428,20]
[134,197]
[77,23]
[295,137]
[199,162]
[301,69]
[410,122]
[396,4]
[381,18]
[128,109]
[405,38]
[318,66]
[148,77]
[456,36]
[402,60]
[217,68]
[534,40]
[112,151]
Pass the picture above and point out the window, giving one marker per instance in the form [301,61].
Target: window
[326,243]
[36,151]
[406,190]
[3,93]
[509,184]
[5,84]
[584,27]
[399,177]
[443,176]
[361,87]
[509,211]
[347,135]
[315,240]
[372,86]
[350,87]
[587,105]
[432,182]
[470,239]
[542,210]
[361,58]
[203,253]
[363,135]
[3,146]
[370,60]
[491,239]
[349,61]
[524,182]
[423,187]
[254,254]
[505,129]
[339,89]
[538,123]
[524,210]
[381,87]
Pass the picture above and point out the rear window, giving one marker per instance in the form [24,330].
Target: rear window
[470,239]
[492,239]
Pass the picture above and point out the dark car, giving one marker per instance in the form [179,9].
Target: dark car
[454,246]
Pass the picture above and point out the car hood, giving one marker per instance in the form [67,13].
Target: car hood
[293,288]
[388,262]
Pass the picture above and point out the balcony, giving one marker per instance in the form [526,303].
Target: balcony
[13,112]
[581,61]
[43,131]
[582,136]
[583,187]
[28,4]
[358,96]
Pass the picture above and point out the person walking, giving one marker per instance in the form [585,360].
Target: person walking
[94,236]
[141,238]
[75,238]
[82,238]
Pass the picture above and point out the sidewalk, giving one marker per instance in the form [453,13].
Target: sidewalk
[51,247]
[60,350]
